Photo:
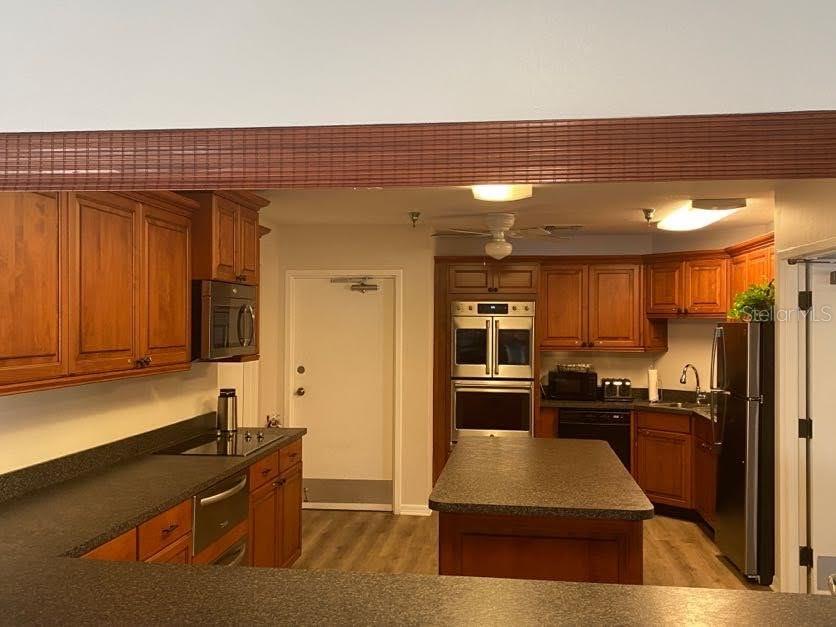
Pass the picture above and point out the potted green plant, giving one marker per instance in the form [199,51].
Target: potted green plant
[754,304]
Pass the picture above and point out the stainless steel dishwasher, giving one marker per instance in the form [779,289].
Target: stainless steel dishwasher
[217,511]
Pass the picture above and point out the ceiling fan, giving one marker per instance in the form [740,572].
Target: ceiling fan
[498,228]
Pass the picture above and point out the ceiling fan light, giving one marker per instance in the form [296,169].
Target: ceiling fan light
[502,193]
[498,248]
[689,218]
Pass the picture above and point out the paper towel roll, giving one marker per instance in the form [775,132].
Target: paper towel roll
[652,385]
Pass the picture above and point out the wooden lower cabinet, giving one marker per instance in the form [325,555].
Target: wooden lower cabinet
[276,520]
[663,466]
[705,480]
[291,525]
[265,525]
[121,549]
[552,548]
[178,552]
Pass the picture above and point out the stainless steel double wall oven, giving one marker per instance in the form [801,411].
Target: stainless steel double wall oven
[492,368]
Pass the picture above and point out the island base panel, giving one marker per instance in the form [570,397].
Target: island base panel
[545,547]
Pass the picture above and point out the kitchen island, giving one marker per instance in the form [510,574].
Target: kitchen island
[533,508]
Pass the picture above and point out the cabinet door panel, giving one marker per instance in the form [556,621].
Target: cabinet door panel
[247,262]
[738,276]
[664,288]
[564,295]
[292,516]
[614,305]
[33,281]
[104,283]
[705,480]
[226,241]
[468,278]
[264,526]
[663,468]
[166,333]
[706,290]
[757,267]
[515,278]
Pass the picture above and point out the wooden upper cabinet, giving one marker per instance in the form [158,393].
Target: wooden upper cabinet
[225,239]
[752,262]
[563,306]
[225,244]
[738,276]
[469,278]
[615,305]
[165,336]
[492,278]
[664,288]
[248,259]
[695,286]
[706,290]
[515,278]
[33,282]
[104,272]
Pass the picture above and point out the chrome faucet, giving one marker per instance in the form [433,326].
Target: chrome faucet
[683,379]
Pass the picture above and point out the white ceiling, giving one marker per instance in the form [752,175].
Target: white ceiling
[612,208]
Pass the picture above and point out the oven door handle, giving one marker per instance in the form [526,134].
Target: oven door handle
[220,496]
[489,348]
[495,347]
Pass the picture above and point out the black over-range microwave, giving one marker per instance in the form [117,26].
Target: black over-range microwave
[223,320]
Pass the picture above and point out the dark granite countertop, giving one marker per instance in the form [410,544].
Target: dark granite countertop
[75,516]
[84,592]
[538,477]
[621,405]
[42,587]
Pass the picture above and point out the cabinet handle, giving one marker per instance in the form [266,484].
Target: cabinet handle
[685,311]
[170,528]
[279,483]
[143,362]
[266,471]
[292,455]
[241,277]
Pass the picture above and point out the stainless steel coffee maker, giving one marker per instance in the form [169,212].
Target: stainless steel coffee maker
[227,416]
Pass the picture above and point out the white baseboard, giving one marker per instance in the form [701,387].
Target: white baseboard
[415,510]
[360,507]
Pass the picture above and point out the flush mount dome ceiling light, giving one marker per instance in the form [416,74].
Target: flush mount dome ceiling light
[502,193]
[701,212]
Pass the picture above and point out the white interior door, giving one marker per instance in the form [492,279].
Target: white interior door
[342,389]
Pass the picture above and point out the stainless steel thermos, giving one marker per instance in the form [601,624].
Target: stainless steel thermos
[227,418]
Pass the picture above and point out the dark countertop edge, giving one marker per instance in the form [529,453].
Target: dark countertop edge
[156,508]
[535,510]
[621,405]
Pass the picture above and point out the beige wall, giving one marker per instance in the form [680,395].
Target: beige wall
[374,61]
[689,341]
[805,213]
[38,426]
[347,247]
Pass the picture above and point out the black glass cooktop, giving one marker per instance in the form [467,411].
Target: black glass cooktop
[233,444]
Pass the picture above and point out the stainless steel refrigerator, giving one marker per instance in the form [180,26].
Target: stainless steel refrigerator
[743,407]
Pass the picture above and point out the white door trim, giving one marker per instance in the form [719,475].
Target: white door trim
[290,302]
[790,494]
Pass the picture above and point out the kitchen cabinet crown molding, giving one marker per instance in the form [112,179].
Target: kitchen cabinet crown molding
[755,243]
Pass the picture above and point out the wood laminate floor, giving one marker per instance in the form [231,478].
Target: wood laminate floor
[676,552]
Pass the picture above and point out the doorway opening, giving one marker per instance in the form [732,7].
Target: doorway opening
[343,383]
